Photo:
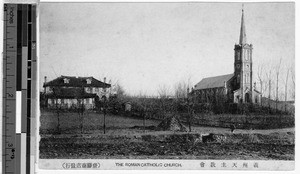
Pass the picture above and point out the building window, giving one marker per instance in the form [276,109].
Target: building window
[88,90]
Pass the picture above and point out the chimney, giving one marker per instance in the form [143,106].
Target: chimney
[104,80]
[45,81]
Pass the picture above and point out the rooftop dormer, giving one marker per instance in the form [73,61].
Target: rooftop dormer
[88,81]
[66,80]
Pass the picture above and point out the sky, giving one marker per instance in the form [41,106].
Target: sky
[144,46]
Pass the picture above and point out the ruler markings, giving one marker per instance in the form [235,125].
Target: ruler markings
[32,123]
[19,48]
[8,163]
[19,68]
[31,51]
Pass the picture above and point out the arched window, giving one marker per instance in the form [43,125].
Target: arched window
[238,55]
[247,78]
[248,54]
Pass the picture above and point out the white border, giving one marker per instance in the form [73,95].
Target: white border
[178,171]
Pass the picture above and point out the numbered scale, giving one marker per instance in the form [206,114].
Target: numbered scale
[19,79]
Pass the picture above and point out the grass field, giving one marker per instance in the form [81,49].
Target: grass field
[93,122]
[123,141]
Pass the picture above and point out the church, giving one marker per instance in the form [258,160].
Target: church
[237,87]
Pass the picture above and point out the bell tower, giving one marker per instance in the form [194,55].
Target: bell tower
[243,65]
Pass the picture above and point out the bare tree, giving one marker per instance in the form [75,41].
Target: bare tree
[163,93]
[269,79]
[277,83]
[79,96]
[80,111]
[142,103]
[260,79]
[292,89]
[57,106]
[285,90]
[119,89]
[181,91]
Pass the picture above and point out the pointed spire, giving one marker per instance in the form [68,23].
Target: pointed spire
[243,38]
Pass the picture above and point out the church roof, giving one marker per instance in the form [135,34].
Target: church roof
[213,82]
[243,38]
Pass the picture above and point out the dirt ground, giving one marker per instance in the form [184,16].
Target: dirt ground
[125,138]
[254,146]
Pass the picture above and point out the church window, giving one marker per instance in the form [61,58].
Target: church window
[237,55]
[247,78]
[248,53]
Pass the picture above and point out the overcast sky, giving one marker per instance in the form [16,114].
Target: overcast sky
[145,45]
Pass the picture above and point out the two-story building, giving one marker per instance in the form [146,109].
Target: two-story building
[75,92]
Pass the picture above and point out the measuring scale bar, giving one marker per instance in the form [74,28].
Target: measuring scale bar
[18,53]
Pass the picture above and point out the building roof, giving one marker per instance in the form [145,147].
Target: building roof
[213,82]
[243,38]
[76,82]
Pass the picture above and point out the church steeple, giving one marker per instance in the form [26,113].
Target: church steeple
[243,38]
[243,65]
